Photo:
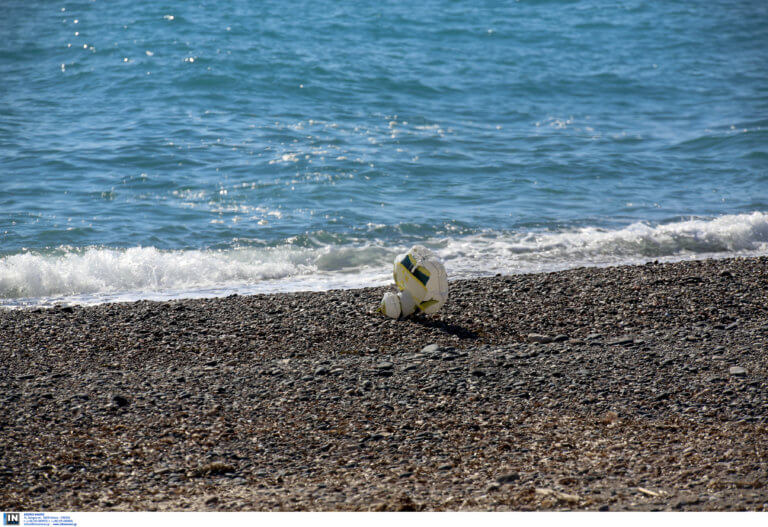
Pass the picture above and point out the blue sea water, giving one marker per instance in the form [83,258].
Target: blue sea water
[167,149]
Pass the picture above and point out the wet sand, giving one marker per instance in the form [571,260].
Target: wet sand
[626,388]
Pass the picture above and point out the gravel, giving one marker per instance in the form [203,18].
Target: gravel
[627,388]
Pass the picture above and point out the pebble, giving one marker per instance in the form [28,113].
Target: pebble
[737,371]
[507,478]
[683,501]
[539,338]
[120,401]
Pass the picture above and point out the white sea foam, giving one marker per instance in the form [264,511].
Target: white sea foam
[730,235]
[104,271]
[96,275]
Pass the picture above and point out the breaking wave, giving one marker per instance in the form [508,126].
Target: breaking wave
[729,235]
[98,274]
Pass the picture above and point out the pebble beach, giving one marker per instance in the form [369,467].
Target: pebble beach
[625,388]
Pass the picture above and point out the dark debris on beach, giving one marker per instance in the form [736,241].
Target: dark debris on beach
[627,388]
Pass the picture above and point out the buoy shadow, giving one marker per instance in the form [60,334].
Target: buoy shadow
[451,329]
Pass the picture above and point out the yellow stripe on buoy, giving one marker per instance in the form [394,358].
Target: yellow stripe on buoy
[424,305]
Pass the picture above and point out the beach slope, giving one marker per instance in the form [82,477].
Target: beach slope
[625,388]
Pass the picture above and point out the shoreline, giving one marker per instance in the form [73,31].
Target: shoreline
[637,387]
[320,281]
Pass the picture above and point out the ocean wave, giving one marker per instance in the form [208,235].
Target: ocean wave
[729,235]
[105,270]
[99,274]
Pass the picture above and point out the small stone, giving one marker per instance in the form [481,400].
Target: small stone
[120,401]
[538,337]
[477,372]
[432,348]
[446,466]
[560,338]
[384,366]
[510,477]
[213,500]
[216,468]
[568,498]
[683,501]
[321,370]
[737,371]
[622,341]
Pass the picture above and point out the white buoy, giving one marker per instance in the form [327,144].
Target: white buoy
[423,283]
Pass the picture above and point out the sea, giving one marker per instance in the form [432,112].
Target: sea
[154,150]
